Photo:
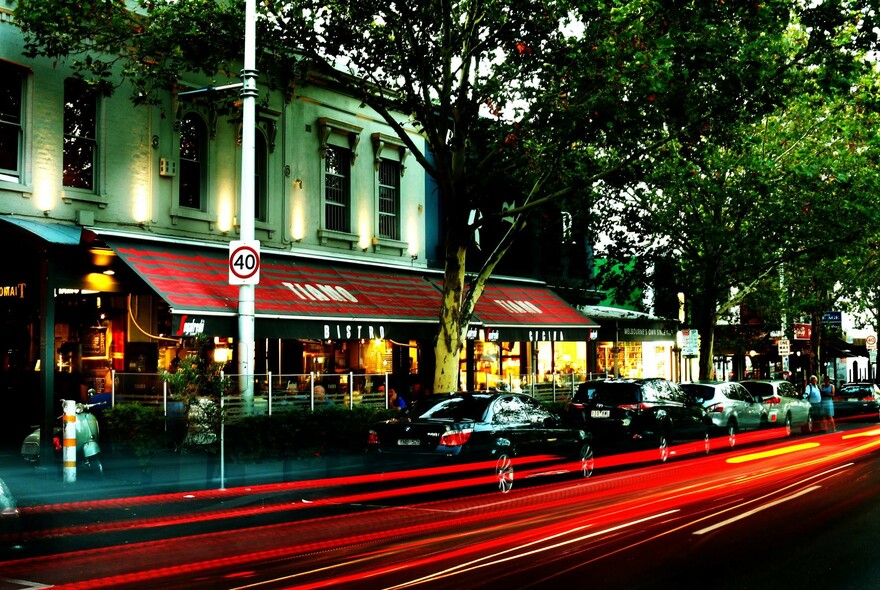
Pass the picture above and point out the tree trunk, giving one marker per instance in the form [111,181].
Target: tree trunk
[453,322]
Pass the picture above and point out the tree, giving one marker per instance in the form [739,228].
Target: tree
[791,194]
[555,94]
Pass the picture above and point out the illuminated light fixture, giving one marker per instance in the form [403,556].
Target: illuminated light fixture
[110,272]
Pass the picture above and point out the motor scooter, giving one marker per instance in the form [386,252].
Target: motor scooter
[87,448]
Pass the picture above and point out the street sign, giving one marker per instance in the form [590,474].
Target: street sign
[244,262]
[871,342]
[690,345]
[784,346]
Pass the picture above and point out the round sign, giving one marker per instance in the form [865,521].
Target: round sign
[244,262]
[871,341]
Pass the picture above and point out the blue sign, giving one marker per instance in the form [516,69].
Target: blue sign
[832,317]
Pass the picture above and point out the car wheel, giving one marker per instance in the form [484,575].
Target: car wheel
[588,461]
[786,425]
[731,434]
[504,473]
[663,446]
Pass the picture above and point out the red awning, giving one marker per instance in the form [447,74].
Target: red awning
[534,313]
[335,302]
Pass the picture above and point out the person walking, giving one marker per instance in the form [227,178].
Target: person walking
[813,394]
[827,405]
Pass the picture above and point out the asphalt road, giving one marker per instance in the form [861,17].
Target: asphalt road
[789,513]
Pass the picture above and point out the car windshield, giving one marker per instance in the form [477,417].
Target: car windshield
[701,392]
[618,393]
[860,390]
[758,389]
[456,408]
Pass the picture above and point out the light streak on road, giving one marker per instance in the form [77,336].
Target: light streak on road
[754,511]
[773,452]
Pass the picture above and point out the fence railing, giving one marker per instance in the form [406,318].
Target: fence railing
[281,391]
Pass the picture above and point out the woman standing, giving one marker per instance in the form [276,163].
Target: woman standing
[827,411]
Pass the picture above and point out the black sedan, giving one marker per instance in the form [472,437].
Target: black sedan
[857,401]
[639,414]
[501,428]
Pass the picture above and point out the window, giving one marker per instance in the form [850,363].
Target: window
[261,176]
[80,134]
[337,189]
[12,81]
[193,153]
[389,199]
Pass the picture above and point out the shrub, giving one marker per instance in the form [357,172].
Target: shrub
[136,428]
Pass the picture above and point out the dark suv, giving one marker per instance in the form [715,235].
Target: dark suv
[629,414]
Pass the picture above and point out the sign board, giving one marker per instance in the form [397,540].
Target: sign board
[802,331]
[871,342]
[834,318]
[784,346]
[244,262]
[690,342]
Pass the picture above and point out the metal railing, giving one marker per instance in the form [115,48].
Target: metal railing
[283,391]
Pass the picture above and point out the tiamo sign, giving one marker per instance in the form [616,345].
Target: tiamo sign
[13,291]
[317,292]
[519,307]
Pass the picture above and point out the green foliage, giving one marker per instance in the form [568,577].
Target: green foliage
[301,434]
[136,428]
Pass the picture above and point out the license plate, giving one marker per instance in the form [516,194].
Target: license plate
[408,442]
[600,414]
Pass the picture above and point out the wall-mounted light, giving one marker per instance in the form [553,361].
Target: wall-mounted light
[155,141]
[375,241]
[299,183]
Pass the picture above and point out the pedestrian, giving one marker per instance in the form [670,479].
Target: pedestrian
[395,401]
[813,394]
[827,413]
[321,397]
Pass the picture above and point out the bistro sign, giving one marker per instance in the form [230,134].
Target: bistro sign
[353,331]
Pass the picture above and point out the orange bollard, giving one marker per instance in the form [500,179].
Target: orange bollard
[68,447]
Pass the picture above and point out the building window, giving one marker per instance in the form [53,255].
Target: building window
[12,84]
[337,189]
[389,199]
[193,156]
[261,176]
[80,134]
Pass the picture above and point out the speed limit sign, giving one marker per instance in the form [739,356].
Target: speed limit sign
[244,262]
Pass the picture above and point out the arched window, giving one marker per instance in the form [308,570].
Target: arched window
[193,162]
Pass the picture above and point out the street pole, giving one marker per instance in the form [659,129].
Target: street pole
[246,352]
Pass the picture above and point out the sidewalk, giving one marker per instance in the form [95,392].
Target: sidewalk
[169,472]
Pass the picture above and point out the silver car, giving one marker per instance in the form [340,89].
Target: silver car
[731,407]
[783,404]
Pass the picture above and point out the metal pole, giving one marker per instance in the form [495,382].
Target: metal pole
[246,349]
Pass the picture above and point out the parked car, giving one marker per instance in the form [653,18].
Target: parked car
[628,414]
[784,405]
[857,401]
[9,518]
[582,396]
[492,426]
[731,407]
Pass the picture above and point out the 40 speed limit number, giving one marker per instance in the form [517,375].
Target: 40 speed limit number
[244,262]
